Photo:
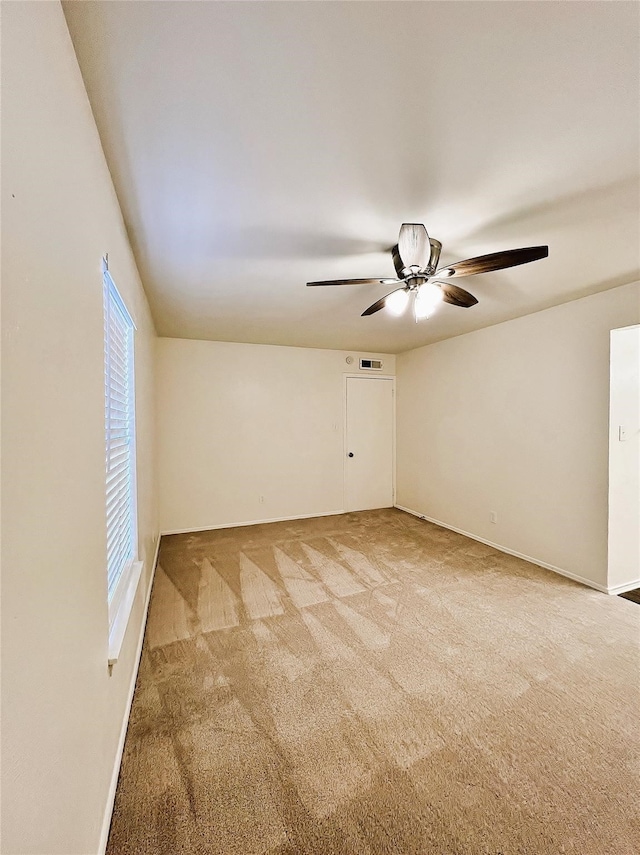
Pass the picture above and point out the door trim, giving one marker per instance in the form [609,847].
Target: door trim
[366,377]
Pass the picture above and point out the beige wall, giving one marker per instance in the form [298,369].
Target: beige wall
[514,419]
[624,458]
[240,421]
[62,712]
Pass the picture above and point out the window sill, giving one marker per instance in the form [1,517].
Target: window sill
[121,619]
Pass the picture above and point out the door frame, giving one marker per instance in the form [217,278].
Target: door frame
[347,377]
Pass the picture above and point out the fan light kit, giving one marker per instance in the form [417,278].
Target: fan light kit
[416,257]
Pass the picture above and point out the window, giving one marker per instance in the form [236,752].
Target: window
[121,510]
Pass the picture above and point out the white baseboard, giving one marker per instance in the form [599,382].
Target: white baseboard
[602,588]
[106,822]
[621,589]
[249,522]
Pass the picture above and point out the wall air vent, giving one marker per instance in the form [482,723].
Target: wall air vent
[371,364]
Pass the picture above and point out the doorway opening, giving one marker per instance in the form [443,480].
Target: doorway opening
[624,461]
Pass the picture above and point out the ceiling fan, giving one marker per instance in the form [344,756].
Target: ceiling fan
[415,258]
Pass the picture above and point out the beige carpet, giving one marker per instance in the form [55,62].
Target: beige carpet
[371,683]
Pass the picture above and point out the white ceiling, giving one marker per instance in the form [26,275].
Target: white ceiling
[257,145]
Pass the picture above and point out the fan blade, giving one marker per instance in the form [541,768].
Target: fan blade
[413,245]
[494,261]
[352,282]
[455,295]
[379,304]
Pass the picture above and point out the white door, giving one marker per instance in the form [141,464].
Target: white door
[369,451]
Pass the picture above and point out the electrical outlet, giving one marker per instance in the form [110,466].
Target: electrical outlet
[493,516]
[261,500]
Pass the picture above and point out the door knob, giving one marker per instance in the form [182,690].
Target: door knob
[350,454]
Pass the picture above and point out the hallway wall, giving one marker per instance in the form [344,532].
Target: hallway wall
[624,458]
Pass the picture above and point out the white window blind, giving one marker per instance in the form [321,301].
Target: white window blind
[120,442]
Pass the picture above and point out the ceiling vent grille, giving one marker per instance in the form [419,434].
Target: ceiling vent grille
[371,364]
